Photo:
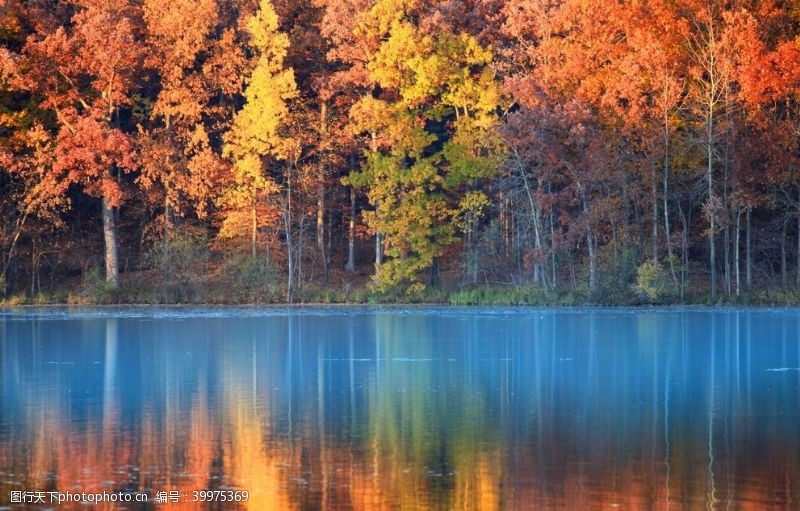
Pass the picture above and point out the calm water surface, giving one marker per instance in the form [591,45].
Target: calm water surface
[359,408]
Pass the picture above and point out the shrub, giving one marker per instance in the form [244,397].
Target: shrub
[181,259]
[652,283]
[617,274]
[93,289]
[251,278]
[180,255]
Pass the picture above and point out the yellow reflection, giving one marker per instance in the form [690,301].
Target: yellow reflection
[417,451]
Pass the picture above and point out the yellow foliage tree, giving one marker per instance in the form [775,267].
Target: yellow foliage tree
[259,133]
[434,131]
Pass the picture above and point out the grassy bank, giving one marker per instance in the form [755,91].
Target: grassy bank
[222,293]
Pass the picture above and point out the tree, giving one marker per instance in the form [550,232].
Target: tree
[258,137]
[177,159]
[349,81]
[85,74]
[434,119]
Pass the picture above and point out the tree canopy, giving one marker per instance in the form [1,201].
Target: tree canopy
[561,145]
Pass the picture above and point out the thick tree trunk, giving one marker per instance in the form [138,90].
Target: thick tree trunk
[351,234]
[110,241]
[592,262]
[435,272]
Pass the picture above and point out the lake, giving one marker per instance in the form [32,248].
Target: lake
[404,408]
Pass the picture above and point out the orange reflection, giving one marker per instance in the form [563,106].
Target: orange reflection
[238,449]
[403,449]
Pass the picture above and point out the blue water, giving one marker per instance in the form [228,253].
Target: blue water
[406,408]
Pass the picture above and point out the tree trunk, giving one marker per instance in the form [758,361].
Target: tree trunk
[253,231]
[710,84]
[351,234]
[503,221]
[684,247]
[20,223]
[33,269]
[736,252]
[538,278]
[534,217]
[435,272]
[474,264]
[378,237]
[667,231]
[748,257]
[712,254]
[590,243]
[654,194]
[321,231]
[287,226]
[552,249]
[166,256]
[726,241]
[298,248]
[323,129]
[726,237]
[797,276]
[329,239]
[110,241]
[685,264]
[592,262]
[784,269]
[378,251]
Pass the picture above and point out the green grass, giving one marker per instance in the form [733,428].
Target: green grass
[519,295]
[92,290]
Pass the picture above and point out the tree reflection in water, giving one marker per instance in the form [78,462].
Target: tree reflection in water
[408,409]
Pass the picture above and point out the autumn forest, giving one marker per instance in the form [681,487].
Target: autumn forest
[476,151]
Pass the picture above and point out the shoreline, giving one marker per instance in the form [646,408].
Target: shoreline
[623,296]
[393,305]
